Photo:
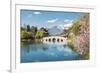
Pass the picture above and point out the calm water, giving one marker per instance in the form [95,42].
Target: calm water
[38,52]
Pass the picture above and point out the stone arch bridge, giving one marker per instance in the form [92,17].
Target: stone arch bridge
[55,39]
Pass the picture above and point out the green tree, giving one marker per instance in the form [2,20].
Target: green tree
[28,27]
[26,35]
[45,30]
[39,34]
[34,30]
[75,28]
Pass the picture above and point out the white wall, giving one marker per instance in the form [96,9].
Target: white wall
[5,36]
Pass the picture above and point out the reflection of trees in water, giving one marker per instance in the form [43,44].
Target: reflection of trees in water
[27,45]
[44,48]
[65,46]
[26,49]
[41,46]
[31,46]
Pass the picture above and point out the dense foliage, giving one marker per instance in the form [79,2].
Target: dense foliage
[32,33]
[39,34]
[78,35]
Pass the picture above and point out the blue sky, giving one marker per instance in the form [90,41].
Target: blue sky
[47,19]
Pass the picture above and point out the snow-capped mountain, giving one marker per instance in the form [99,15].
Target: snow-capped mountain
[55,30]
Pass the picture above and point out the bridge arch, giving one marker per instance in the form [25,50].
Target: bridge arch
[54,39]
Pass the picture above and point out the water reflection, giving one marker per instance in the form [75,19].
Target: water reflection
[39,52]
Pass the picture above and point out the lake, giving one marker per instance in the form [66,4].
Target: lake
[39,52]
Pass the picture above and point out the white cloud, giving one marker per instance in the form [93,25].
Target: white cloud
[36,12]
[66,26]
[68,21]
[52,20]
